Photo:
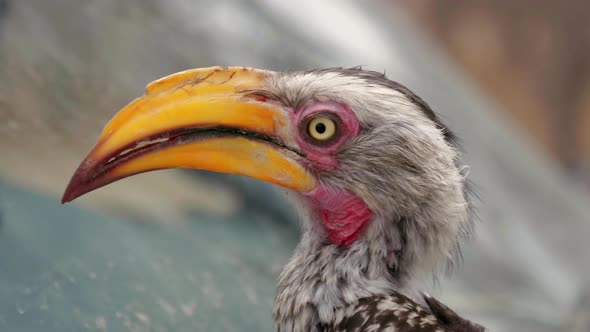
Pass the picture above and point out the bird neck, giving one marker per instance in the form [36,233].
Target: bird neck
[323,276]
[393,252]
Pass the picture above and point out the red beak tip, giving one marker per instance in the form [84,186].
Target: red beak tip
[69,195]
[83,182]
[78,185]
[65,199]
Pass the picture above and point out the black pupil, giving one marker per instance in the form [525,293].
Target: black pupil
[320,128]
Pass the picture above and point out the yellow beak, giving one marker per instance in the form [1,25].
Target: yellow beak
[207,119]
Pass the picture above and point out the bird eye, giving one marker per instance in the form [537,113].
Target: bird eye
[321,128]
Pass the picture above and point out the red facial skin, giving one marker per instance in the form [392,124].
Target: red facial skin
[343,214]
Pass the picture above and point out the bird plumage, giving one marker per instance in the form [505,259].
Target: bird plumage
[406,166]
[398,313]
[383,201]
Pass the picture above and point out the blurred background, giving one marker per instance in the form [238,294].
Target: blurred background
[194,251]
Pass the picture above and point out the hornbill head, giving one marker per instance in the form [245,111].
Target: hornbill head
[376,174]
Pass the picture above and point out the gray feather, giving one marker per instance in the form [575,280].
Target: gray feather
[406,166]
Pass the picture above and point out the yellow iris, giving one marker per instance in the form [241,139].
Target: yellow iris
[321,128]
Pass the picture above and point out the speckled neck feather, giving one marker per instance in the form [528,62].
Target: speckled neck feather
[323,277]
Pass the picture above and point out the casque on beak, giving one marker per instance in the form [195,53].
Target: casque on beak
[204,119]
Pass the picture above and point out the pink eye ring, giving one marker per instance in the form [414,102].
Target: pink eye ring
[323,128]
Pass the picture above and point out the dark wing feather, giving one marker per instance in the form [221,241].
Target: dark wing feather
[450,318]
[398,313]
[393,313]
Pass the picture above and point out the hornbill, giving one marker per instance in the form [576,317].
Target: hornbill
[376,175]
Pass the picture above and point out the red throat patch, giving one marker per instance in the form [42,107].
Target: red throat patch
[343,214]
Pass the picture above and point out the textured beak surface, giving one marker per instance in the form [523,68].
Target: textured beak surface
[204,119]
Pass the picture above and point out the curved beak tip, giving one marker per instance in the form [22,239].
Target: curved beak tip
[87,177]
[68,196]
[77,186]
